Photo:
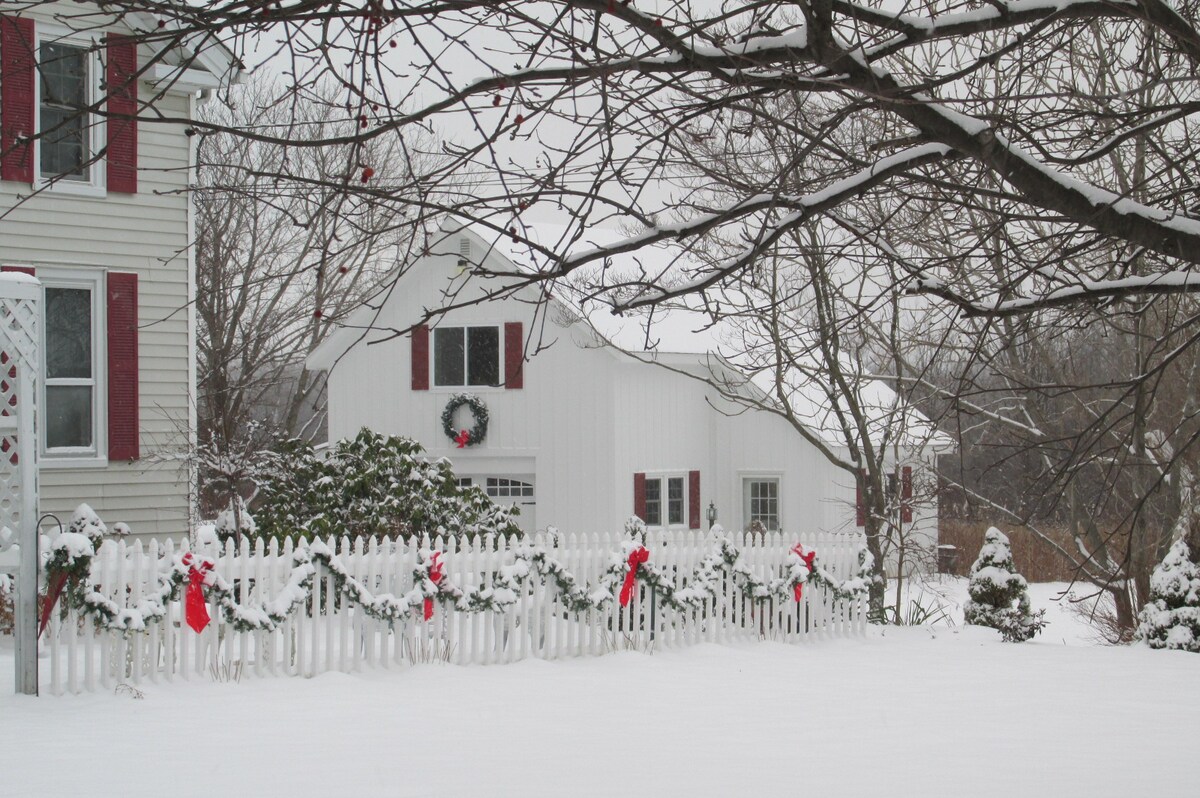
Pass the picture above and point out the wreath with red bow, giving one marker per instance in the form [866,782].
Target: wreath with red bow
[479,413]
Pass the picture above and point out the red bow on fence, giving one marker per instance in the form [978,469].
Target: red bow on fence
[53,590]
[195,608]
[464,437]
[435,576]
[636,558]
[798,550]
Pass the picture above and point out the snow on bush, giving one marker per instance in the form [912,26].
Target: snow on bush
[372,485]
[1000,595]
[1171,619]
[235,515]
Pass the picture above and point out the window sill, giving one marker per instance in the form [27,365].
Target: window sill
[50,463]
[71,188]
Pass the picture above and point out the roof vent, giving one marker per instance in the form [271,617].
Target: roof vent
[464,252]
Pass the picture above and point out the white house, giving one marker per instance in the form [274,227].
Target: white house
[95,205]
[581,434]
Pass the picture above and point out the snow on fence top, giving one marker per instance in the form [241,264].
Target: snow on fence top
[343,605]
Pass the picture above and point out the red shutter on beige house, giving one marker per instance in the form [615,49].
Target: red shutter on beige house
[639,495]
[420,358]
[122,366]
[121,80]
[693,500]
[17,114]
[906,514]
[860,507]
[514,355]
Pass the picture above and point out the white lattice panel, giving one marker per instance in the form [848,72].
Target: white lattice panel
[18,368]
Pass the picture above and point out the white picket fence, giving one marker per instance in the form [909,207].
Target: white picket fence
[332,637]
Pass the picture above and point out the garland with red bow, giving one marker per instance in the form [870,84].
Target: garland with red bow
[636,558]
[435,576]
[195,607]
[807,559]
[71,559]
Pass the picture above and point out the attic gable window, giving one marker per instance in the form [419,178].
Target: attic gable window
[465,356]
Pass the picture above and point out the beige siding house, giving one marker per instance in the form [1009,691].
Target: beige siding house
[96,207]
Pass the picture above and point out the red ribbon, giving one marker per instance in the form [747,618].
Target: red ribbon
[636,558]
[195,608]
[798,550]
[464,437]
[435,576]
[53,591]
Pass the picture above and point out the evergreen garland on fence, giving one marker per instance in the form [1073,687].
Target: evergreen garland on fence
[72,555]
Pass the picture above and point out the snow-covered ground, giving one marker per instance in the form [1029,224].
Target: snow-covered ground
[943,711]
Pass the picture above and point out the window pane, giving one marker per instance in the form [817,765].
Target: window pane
[675,500]
[68,333]
[68,415]
[483,356]
[63,71]
[762,502]
[653,502]
[448,356]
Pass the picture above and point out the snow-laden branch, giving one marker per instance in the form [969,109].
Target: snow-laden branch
[802,207]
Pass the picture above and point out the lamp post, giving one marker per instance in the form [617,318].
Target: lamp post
[711,514]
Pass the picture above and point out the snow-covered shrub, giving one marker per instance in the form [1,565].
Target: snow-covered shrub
[236,515]
[1000,595]
[1171,619]
[86,522]
[372,485]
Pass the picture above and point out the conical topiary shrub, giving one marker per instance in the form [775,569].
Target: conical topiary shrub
[1171,618]
[1000,595]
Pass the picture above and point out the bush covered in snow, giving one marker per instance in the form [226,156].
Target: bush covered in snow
[373,485]
[1171,619]
[1000,595]
[235,518]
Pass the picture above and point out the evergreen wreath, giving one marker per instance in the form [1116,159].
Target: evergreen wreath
[479,411]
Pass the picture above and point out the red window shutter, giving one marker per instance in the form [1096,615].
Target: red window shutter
[17,73]
[693,500]
[122,366]
[121,79]
[639,495]
[514,355]
[420,358]
[860,507]
[906,514]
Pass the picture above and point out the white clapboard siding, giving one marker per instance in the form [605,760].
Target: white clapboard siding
[329,635]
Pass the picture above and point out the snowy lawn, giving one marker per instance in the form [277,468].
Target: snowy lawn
[908,712]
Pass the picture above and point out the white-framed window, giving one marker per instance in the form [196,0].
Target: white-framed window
[72,392]
[666,500]
[466,356]
[69,78]
[760,502]
[506,488]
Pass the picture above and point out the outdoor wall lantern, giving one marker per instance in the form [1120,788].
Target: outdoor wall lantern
[711,514]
